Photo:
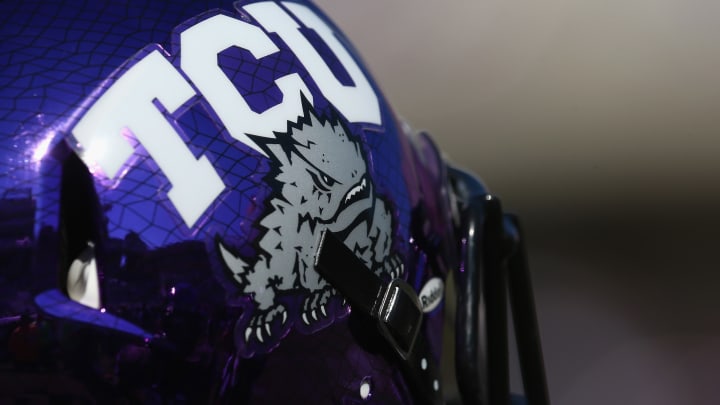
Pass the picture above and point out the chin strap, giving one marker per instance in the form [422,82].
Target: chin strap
[394,306]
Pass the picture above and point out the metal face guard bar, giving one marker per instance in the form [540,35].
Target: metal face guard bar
[493,268]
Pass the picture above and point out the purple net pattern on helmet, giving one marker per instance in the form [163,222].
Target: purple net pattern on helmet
[43,89]
[54,55]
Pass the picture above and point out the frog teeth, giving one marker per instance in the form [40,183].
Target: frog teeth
[358,189]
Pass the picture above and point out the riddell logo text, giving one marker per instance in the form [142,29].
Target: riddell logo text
[431,294]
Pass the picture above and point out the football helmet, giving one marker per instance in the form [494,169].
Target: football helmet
[212,202]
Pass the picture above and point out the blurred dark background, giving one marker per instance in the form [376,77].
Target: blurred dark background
[598,123]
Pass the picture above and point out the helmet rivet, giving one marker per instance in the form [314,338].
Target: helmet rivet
[365,388]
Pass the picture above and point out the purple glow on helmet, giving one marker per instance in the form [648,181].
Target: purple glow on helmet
[463,250]
[41,148]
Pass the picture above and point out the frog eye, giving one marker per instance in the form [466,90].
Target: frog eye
[323,181]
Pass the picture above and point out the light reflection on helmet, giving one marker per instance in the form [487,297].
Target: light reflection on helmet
[213,202]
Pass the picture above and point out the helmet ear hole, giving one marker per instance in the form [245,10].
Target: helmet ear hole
[81,234]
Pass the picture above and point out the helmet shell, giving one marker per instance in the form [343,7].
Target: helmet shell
[195,151]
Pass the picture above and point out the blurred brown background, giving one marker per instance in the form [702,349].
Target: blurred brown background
[599,123]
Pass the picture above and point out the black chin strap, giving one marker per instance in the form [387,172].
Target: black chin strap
[395,307]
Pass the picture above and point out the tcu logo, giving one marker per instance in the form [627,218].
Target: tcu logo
[141,98]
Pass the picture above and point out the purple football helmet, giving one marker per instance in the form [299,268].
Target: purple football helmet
[212,202]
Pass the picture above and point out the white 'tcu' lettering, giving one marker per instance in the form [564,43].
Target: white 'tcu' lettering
[200,46]
[358,103]
[129,107]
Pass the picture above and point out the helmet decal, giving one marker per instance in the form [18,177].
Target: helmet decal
[252,130]
[177,165]
[214,57]
[320,181]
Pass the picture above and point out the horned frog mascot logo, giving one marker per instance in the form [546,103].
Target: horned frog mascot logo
[320,181]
